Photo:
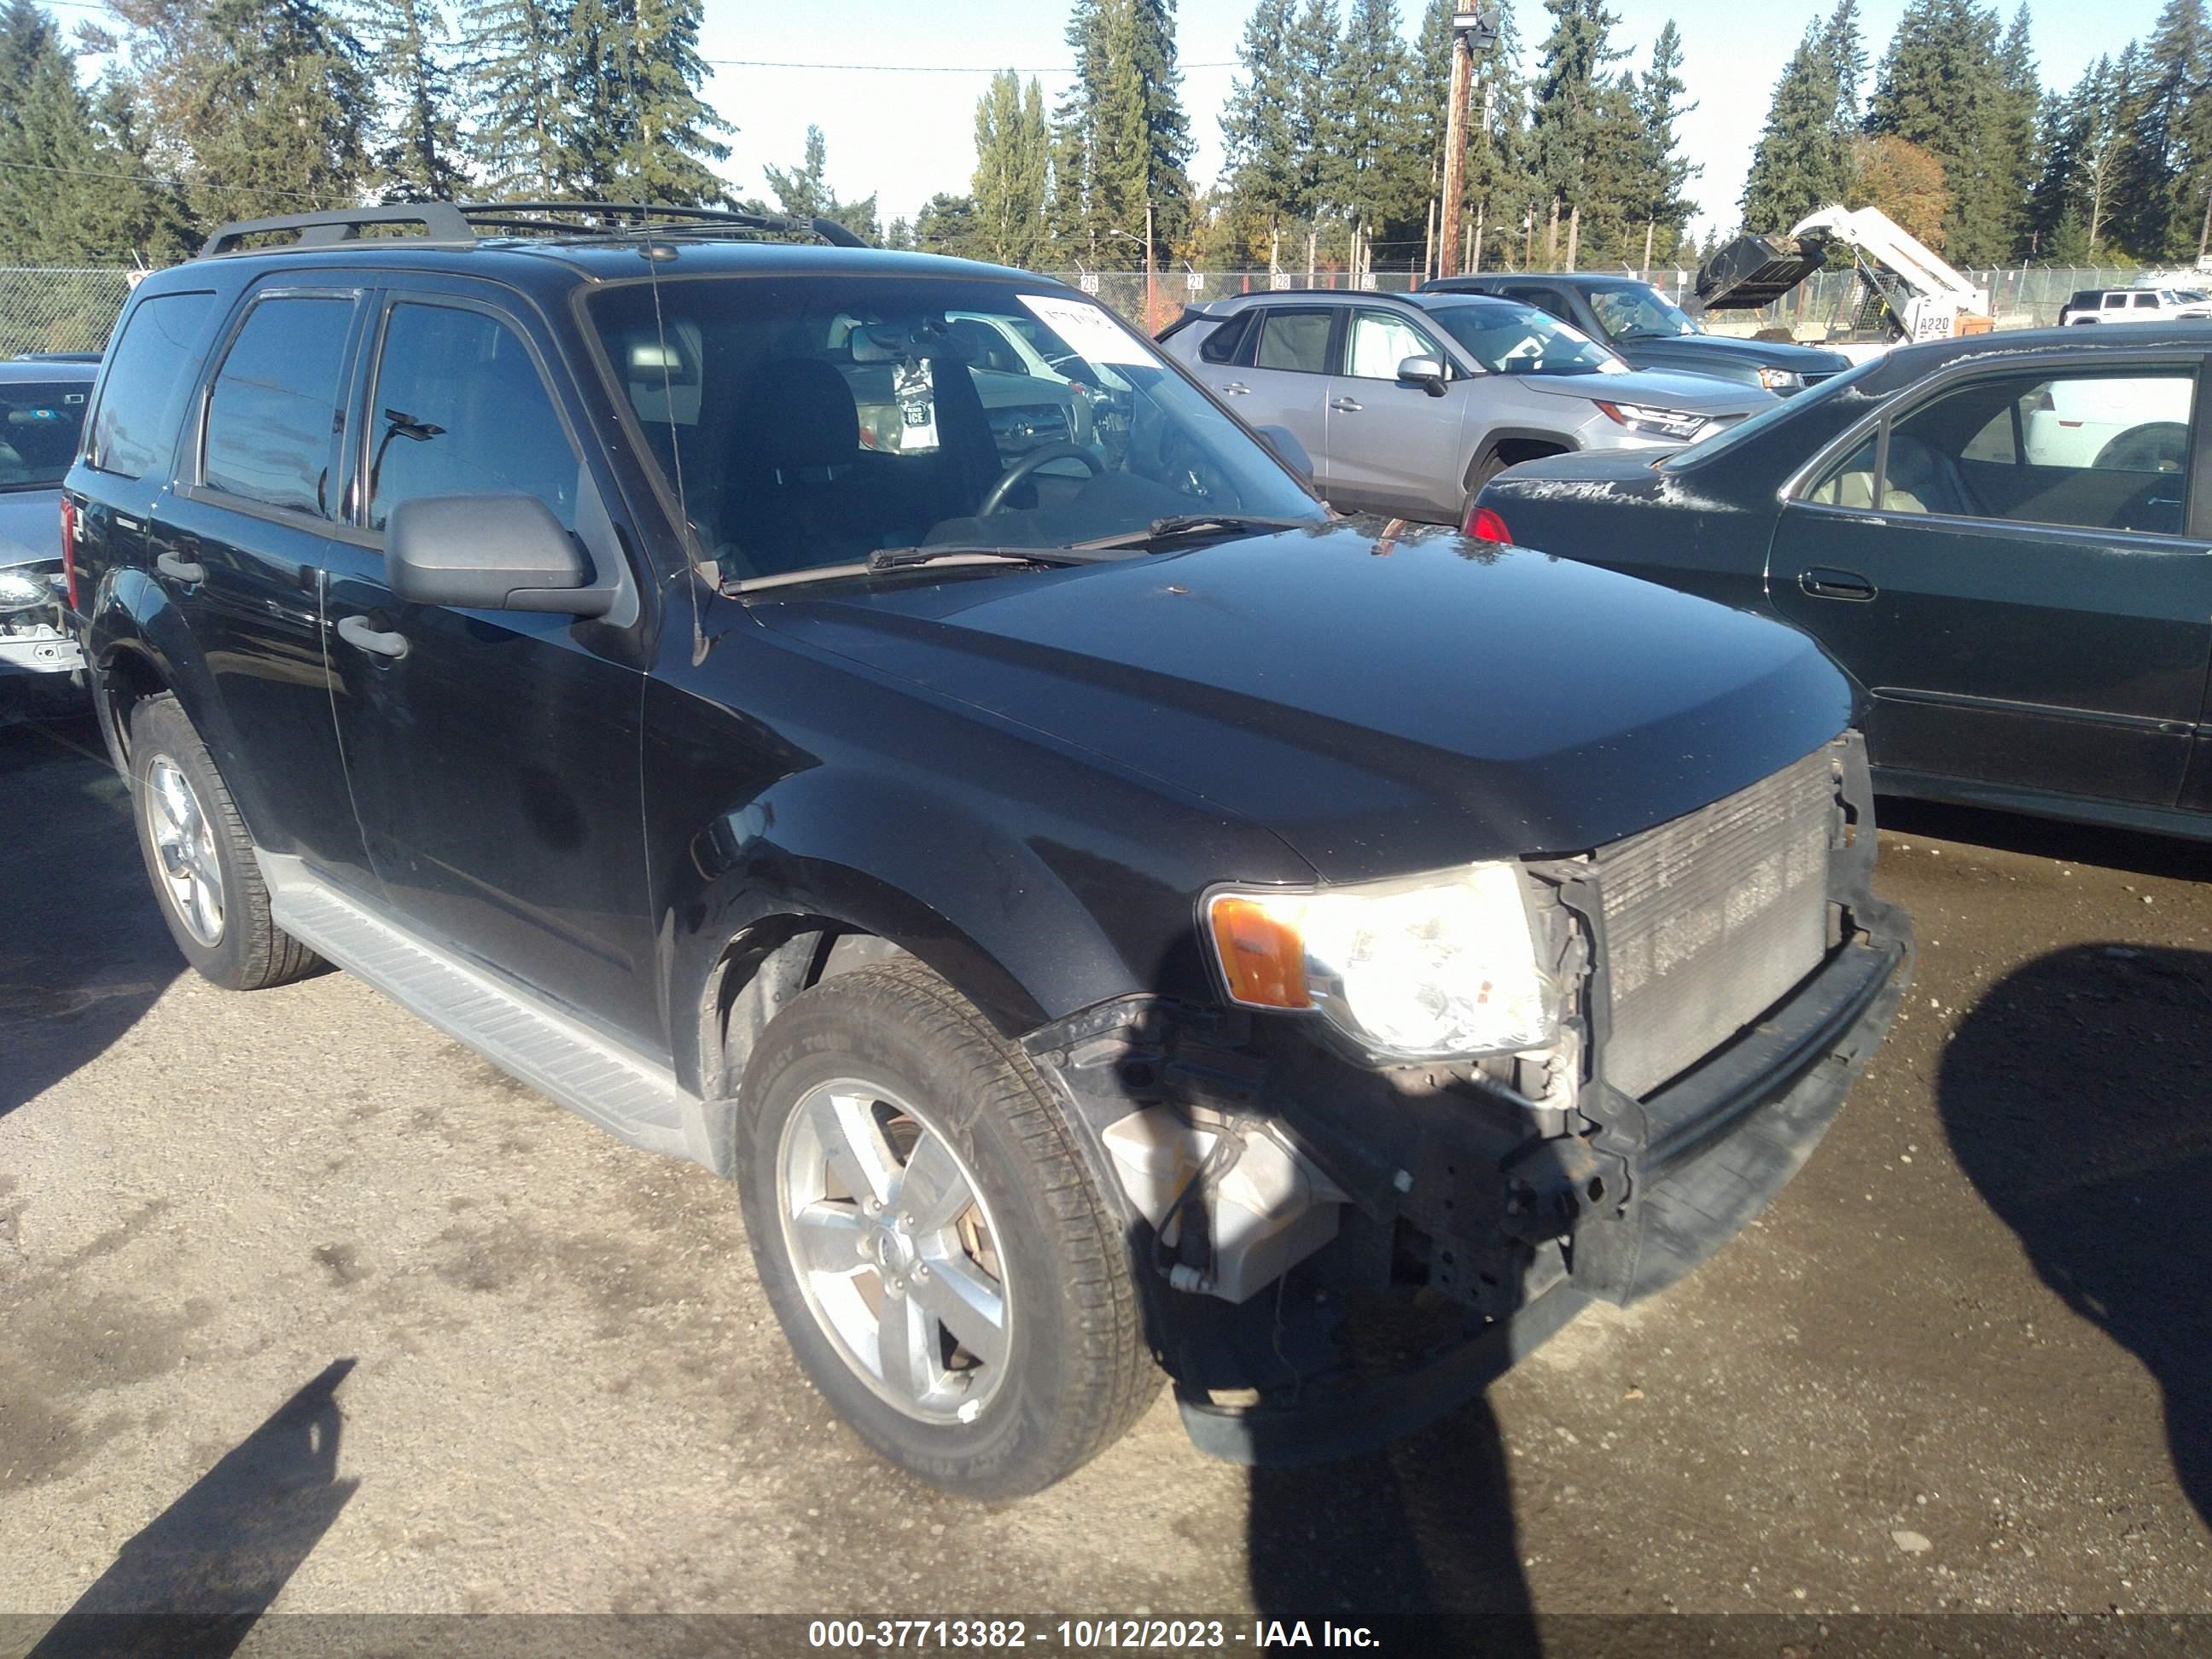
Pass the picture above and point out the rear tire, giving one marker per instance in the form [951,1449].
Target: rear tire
[200,859]
[898,1157]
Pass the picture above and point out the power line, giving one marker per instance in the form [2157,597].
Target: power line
[166,184]
[929,68]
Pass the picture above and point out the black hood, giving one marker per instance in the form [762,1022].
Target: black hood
[1385,705]
[1726,354]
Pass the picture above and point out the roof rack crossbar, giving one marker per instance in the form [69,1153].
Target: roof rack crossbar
[459,221]
[441,221]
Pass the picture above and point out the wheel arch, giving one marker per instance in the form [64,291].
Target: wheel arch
[795,885]
[1513,444]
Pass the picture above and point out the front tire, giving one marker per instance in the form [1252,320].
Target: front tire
[200,859]
[944,1263]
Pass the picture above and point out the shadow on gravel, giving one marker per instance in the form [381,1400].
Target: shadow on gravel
[198,1577]
[2047,838]
[2074,1097]
[1425,1526]
[83,952]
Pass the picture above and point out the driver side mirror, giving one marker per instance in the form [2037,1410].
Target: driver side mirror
[489,553]
[1425,372]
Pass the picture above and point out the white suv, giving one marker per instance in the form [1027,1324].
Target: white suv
[2133,305]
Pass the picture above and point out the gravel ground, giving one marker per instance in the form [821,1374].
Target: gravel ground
[302,1300]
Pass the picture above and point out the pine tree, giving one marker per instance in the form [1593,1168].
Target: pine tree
[275,110]
[1663,173]
[418,151]
[1799,164]
[1845,50]
[1259,131]
[1374,171]
[1580,116]
[1070,213]
[1012,154]
[1316,71]
[1167,145]
[946,224]
[515,56]
[803,191]
[1940,87]
[2152,182]
[2014,134]
[637,128]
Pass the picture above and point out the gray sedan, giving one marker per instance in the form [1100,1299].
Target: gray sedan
[1408,403]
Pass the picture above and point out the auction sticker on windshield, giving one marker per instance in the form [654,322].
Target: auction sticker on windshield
[1090,332]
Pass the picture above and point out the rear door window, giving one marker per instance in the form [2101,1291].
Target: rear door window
[273,413]
[1295,339]
[134,428]
[459,408]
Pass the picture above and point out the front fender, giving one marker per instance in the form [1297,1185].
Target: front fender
[996,915]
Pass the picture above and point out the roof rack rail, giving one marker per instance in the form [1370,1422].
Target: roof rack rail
[459,223]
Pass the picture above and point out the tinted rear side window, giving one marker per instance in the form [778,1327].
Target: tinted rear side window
[460,410]
[137,423]
[1221,345]
[1295,340]
[273,412]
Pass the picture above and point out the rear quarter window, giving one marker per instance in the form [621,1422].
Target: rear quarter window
[133,431]
[1222,345]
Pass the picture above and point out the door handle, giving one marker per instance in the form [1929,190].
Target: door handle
[1236,389]
[183,570]
[1824,584]
[1349,406]
[358,631]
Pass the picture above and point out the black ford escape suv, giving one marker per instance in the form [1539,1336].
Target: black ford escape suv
[1104,911]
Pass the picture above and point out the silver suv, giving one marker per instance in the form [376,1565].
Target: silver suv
[1408,403]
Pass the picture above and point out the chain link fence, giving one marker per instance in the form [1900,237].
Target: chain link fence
[2020,296]
[74,308]
[49,308]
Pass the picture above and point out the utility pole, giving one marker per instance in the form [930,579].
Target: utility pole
[1472,28]
[1650,225]
[1151,274]
[1574,234]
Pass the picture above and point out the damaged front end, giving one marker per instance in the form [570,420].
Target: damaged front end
[1338,1248]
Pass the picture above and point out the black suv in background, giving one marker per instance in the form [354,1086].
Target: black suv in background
[1100,907]
[1651,330]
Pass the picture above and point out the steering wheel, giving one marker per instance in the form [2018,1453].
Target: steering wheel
[2153,447]
[996,501]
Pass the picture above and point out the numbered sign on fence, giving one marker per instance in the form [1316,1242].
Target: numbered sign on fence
[1277,280]
[1193,280]
[1089,282]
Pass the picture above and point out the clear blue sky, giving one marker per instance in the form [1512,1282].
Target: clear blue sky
[906,135]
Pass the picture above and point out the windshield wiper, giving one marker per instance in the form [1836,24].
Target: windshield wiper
[907,558]
[1191,524]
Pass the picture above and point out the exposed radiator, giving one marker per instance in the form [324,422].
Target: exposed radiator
[1712,919]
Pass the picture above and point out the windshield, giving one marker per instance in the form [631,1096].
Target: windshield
[1508,338]
[808,423]
[39,422]
[1636,312]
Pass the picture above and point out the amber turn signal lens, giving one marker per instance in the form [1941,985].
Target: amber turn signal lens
[1261,955]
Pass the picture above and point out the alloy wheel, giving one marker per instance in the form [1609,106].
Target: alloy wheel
[895,1251]
[184,843]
